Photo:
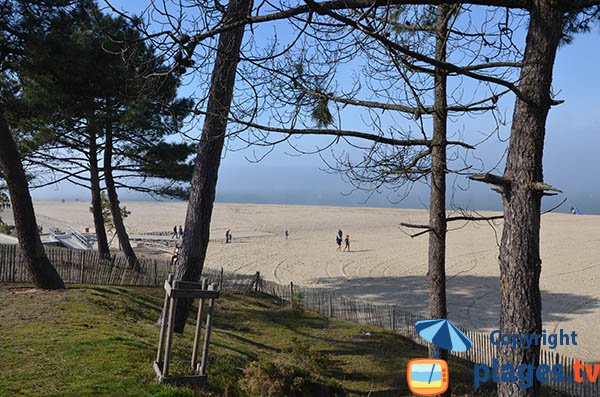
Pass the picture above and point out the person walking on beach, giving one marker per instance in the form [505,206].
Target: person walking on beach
[180,232]
[340,234]
[175,256]
[174,232]
[338,241]
[347,241]
[228,236]
[286,234]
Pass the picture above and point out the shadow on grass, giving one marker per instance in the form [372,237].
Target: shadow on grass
[135,303]
[248,341]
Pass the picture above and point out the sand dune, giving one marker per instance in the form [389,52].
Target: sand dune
[386,265]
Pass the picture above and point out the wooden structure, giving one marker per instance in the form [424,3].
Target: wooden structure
[186,290]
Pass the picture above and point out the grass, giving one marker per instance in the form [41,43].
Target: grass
[92,340]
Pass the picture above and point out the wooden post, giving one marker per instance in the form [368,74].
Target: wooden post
[81,278]
[163,325]
[209,316]
[220,280]
[330,312]
[394,317]
[155,275]
[198,326]
[169,342]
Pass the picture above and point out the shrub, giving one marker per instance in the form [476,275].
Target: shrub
[278,379]
[302,354]
[223,375]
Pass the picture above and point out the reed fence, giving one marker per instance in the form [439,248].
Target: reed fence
[87,267]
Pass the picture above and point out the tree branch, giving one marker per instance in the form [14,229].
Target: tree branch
[391,106]
[339,133]
[493,65]
[345,5]
[544,186]
[491,179]
[406,51]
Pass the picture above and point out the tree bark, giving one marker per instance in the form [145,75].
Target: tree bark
[43,274]
[436,275]
[520,263]
[204,178]
[101,238]
[113,199]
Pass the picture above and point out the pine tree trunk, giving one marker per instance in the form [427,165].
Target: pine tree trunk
[43,274]
[436,275]
[206,167]
[101,238]
[113,199]
[520,263]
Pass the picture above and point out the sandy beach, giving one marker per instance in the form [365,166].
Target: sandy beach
[386,265]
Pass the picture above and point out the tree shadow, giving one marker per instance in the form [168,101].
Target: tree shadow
[473,301]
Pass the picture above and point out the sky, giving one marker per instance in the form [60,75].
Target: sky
[571,157]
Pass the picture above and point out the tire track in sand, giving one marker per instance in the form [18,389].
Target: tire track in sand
[277,268]
[379,265]
[474,301]
[345,266]
[253,262]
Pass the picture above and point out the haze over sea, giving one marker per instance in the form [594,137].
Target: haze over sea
[301,182]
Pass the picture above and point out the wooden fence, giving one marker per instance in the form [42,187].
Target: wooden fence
[87,267]
[402,322]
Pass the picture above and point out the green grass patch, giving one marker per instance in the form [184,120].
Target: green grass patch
[93,340]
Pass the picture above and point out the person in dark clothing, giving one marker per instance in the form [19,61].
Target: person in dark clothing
[174,232]
[175,256]
[347,241]
[180,232]
[338,241]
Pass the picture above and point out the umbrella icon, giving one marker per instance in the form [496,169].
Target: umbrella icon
[443,334]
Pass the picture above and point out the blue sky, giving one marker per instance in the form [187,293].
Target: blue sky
[571,160]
